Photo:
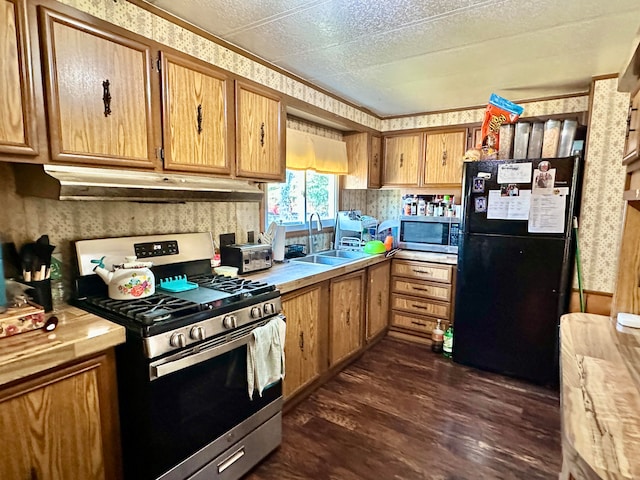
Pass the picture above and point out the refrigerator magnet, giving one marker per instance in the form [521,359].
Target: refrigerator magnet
[481,204]
[478,185]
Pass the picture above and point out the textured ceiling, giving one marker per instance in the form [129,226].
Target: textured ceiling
[399,57]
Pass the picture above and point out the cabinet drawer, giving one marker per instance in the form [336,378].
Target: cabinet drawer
[438,291]
[424,271]
[417,324]
[421,306]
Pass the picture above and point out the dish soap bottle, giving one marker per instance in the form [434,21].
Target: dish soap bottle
[437,338]
[447,348]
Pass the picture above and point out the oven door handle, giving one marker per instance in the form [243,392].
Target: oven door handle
[162,369]
[166,366]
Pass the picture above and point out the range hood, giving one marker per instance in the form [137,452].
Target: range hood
[85,183]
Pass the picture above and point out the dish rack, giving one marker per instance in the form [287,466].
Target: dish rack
[353,230]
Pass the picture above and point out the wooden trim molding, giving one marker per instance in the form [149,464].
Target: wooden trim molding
[598,303]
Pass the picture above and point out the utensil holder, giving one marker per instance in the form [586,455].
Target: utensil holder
[40,291]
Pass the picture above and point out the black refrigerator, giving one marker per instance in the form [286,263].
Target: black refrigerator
[515,264]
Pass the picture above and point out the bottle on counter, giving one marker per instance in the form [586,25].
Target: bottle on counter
[437,338]
[447,347]
[422,207]
[414,205]
[58,297]
[407,205]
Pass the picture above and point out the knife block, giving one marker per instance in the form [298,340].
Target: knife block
[40,292]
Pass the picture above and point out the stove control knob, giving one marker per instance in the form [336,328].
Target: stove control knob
[269,309]
[197,333]
[229,321]
[256,312]
[178,340]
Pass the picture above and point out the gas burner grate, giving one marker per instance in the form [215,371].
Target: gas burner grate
[231,284]
[152,309]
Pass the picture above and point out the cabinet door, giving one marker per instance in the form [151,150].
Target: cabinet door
[443,159]
[304,312]
[98,94]
[631,152]
[260,133]
[17,121]
[378,299]
[61,425]
[375,162]
[402,154]
[196,130]
[363,153]
[346,316]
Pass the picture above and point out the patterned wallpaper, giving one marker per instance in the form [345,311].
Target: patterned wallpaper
[531,109]
[600,222]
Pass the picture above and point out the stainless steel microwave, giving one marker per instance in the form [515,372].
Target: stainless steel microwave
[429,234]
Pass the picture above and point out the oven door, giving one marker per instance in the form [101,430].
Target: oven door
[186,402]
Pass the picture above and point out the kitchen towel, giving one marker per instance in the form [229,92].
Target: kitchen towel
[265,355]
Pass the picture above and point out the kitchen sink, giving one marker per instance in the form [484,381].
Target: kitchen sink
[344,254]
[322,259]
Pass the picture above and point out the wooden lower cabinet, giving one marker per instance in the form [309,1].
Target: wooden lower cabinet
[63,424]
[378,299]
[306,314]
[422,294]
[346,316]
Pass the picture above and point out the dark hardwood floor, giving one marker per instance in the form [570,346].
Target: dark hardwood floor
[403,412]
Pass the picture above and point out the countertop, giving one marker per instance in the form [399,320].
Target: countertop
[292,275]
[600,400]
[77,335]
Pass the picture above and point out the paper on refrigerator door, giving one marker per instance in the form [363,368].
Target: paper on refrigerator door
[515,172]
[508,207]
[548,212]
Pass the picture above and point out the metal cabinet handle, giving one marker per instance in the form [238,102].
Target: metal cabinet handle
[444,153]
[199,118]
[419,323]
[262,135]
[379,299]
[420,307]
[348,317]
[401,159]
[428,272]
[420,289]
[106,98]
[301,341]
[375,160]
[230,460]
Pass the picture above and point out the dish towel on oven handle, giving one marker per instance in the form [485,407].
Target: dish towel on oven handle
[265,355]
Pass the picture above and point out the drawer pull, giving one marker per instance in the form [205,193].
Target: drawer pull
[421,307]
[420,289]
[301,342]
[379,299]
[419,323]
[348,317]
[428,272]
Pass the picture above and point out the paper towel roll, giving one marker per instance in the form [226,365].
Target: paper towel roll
[278,243]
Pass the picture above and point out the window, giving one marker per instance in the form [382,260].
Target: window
[304,192]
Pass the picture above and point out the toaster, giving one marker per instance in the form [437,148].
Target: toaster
[248,257]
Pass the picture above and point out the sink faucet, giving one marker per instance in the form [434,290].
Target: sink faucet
[313,241]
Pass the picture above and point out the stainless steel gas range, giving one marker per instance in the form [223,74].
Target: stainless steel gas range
[182,374]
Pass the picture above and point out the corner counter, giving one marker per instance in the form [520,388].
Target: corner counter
[78,334]
[600,398]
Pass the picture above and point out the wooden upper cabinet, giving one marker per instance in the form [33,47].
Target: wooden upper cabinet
[98,94]
[631,150]
[260,133]
[17,115]
[443,159]
[365,161]
[402,155]
[197,131]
